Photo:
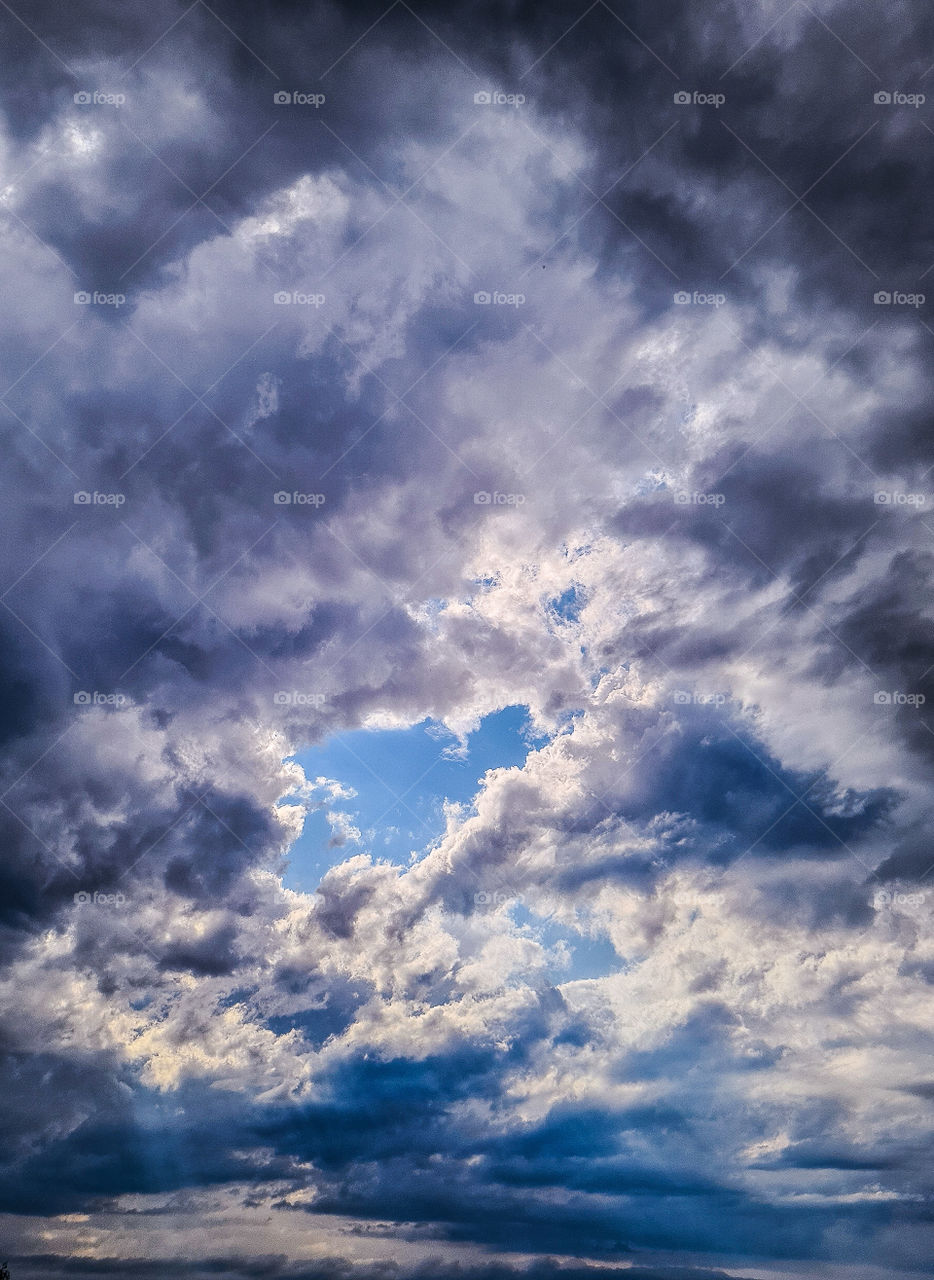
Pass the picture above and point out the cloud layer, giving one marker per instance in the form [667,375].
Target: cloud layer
[369,365]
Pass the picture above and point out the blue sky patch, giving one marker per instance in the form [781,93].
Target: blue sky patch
[401,779]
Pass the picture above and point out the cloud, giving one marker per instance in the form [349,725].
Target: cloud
[332,415]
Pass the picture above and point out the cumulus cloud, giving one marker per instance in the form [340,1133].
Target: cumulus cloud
[504,360]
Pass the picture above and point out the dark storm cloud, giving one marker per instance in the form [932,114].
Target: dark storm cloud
[178,185]
[280,1268]
[802,96]
[912,858]
[735,794]
[799,99]
[884,622]
[778,516]
[133,1140]
[798,89]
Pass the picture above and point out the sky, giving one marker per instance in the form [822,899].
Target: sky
[466,644]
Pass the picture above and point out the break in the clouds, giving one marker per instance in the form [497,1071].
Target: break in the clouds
[467,655]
